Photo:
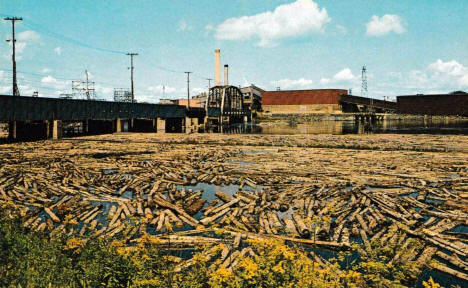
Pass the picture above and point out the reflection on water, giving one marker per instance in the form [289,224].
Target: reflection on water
[413,126]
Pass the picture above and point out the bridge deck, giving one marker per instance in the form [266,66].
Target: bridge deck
[34,109]
[376,103]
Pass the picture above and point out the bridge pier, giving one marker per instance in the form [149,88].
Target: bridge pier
[118,125]
[12,129]
[57,129]
[161,125]
[191,124]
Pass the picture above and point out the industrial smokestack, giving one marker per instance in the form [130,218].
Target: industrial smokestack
[217,67]
[226,75]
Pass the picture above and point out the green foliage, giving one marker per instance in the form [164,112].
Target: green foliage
[30,259]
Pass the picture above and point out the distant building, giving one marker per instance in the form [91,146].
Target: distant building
[252,98]
[455,103]
[194,102]
[302,101]
[166,101]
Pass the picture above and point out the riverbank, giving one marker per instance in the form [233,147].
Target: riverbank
[310,118]
[407,192]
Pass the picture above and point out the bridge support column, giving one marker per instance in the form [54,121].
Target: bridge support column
[161,125]
[155,125]
[131,125]
[57,129]
[118,125]
[48,129]
[188,125]
[12,130]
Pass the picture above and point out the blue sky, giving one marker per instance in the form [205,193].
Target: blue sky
[418,46]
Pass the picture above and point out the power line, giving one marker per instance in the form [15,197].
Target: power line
[61,37]
[58,78]
[34,26]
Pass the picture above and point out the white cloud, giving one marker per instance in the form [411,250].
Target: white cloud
[437,77]
[58,50]
[198,90]
[325,81]
[288,83]
[209,27]
[288,20]
[23,39]
[183,26]
[344,75]
[46,70]
[48,80]
[5,89]
[463,81]
[448,73]
[105,91]
[451,68]
[28,36]
[19,48]
[341,29]
[379,26]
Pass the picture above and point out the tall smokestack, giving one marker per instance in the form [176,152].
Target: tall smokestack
[217,67]
[226,75]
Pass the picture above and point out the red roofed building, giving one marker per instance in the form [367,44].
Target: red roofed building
[302,101]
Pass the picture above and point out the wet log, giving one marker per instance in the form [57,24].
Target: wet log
[163,203]
[290,227]
[52,215]
[303,230]
[442,268]
[454,260]
[223,196]
[195,206]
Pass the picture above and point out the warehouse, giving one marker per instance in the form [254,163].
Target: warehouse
[437,104]
[303,101]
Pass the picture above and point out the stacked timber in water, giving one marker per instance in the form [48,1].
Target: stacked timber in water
[93,192]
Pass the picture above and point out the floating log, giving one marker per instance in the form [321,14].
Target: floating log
[52,215]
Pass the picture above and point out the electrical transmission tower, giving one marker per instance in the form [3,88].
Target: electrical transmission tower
[83,89]
[131,74]
[15,89]
[364,92]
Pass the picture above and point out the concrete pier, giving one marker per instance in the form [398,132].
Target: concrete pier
[57,130]
[161,125]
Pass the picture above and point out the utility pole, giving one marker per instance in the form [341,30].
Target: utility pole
[131,73]
[188,89]
[209,83]
[15,89]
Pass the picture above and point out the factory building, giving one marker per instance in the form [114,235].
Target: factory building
[194,102]
[437,104]
[303,101]
[252,97]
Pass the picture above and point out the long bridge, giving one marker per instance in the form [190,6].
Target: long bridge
[32,118]
[355,104]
